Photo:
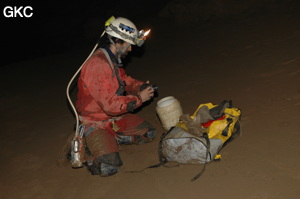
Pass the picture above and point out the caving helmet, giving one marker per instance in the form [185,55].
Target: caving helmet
[125,30]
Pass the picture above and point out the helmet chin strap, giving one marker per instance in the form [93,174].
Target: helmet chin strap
[120,52]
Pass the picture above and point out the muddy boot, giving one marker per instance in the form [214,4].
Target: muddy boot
[106,165]
[124,139]
[146,138]
[108,170]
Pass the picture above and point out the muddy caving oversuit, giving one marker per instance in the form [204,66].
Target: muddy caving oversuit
[106,96]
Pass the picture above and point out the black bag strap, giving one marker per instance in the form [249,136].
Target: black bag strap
[162,159]
[205,135]
[218,111]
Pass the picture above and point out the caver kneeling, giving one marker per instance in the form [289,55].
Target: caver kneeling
[107,97]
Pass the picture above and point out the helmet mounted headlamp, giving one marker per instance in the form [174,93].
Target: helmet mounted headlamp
[142,37]
[125,32]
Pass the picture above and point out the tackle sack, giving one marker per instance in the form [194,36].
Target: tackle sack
[198,139]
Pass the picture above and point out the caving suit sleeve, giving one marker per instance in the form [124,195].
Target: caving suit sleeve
[102,84]
[132,85]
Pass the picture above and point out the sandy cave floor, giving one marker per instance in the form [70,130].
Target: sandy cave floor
[253,60]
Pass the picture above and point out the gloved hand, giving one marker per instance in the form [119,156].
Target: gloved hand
[146,92]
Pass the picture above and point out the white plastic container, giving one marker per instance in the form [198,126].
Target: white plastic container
[168,110]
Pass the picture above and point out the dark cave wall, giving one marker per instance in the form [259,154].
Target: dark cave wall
[189,11]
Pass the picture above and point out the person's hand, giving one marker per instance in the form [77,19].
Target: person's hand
[146,94]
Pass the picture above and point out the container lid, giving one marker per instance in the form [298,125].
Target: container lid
[165,101]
